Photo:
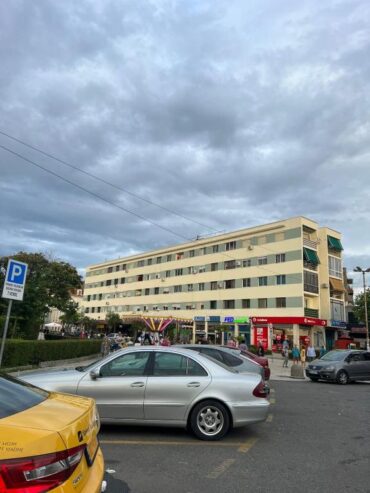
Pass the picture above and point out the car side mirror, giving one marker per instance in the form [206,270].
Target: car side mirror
[94,374]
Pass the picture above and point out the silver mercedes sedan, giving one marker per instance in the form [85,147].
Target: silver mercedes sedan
[166,386]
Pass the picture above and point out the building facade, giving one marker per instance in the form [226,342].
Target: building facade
[275,281]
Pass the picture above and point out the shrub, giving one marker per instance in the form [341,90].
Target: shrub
[22,353]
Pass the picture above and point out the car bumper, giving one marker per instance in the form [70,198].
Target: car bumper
[323,375]
[244,414]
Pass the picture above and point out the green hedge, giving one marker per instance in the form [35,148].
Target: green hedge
[22,353]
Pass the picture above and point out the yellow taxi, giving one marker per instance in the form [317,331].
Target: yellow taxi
[48,441]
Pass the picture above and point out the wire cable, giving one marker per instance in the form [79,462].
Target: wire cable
[102,180]
[33,163]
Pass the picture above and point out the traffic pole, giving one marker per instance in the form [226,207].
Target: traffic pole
[5,330]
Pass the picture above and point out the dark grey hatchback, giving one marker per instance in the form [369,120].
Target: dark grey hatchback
[341,366]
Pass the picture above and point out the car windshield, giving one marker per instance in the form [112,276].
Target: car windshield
[17,396]
[334,356]
[219,363]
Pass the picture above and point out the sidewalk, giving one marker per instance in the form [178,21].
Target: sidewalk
[280,373]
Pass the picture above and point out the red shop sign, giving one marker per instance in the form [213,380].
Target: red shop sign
[289,320]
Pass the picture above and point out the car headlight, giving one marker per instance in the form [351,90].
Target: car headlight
[330,368]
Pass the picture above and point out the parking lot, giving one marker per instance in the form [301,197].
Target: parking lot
[316,438]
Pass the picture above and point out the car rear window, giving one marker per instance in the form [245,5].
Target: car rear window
[17,396]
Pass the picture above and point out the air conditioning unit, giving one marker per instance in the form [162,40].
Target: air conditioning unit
[250,247]
[324,285]
[220,285]
[194,271]
[162,279]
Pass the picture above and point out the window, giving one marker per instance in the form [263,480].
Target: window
[201,286]
[280,257]
[140,277]
[117,268]
[178,272]
[168,273]
[229,304]
[337,310]
[247,262]
[149,261]
[213,285]
[110,269]
[262,281]
[88,297]
[230,284]
[159,260]
[214,267]
[281,279]
[214,248]
[165,307]
[190,287]
[109,282]
[178,289]
[128,365]
[280,302]
[246,303]
[229,264]
[147,292]
[169,258]
[203,251]
[191,253]
[262,302]
[310,282]
[100,296]
[213,305]
[179,255]
[17,396]
[140,263]
[175,365]
[156,290]
[247,282]
[335,267]
[202,268]
[93,310]
[231,245]
[262,261]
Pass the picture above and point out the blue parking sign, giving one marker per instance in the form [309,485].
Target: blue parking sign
[15,280]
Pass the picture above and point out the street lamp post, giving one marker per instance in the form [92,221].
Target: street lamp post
[359,269]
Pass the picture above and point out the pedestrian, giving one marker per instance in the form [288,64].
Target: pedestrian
[295,354]
[311,353]
[105,346]
[303,356]
[322,351]
[285,356]
[260,351]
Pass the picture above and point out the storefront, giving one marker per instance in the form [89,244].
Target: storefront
[238,326]
[271,332]
[332,331]
[206,328]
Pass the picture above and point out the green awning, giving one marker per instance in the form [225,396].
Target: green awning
[310,256]
[334,243]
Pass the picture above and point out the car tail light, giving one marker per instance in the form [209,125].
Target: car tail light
[40,473]
[261,390]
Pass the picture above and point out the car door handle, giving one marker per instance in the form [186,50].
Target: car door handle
[194,384]
[138,384]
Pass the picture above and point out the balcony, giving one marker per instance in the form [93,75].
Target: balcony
[311,312]
[310,243]
[311,288]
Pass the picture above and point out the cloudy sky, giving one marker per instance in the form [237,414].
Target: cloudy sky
[229,113]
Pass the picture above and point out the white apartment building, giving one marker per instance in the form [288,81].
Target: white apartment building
[275,281]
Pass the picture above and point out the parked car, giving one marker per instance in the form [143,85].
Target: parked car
[48,441]
[261,360]
[229,357]
[341,366]
[167,386]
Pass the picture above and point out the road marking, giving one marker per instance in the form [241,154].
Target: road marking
[221,469]
[269,418]
[246,446]
[272,391]
[272,400]
[172,443]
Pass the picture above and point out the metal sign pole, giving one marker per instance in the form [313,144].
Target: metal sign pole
[5,330]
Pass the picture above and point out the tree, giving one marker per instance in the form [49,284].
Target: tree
[359,306]
[113,319]
[48,285]
[71,315]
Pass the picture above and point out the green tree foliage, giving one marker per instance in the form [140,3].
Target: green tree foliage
[113,320]
[359,306]
[48,285]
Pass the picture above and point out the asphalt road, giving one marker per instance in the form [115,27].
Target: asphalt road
[316,439]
